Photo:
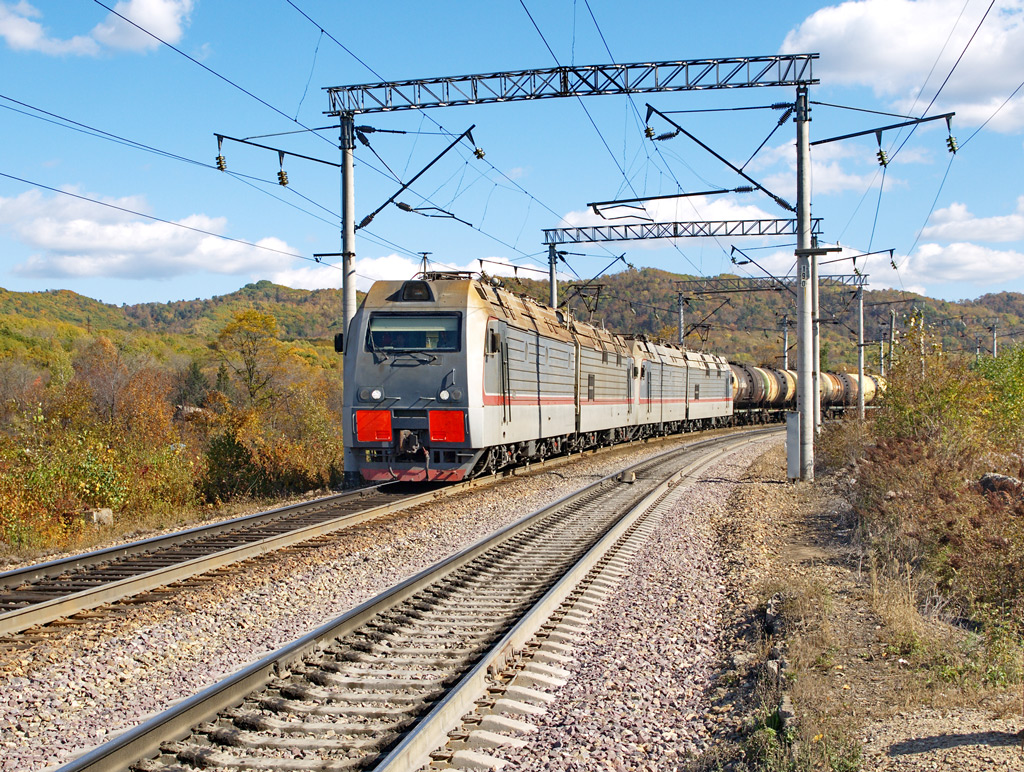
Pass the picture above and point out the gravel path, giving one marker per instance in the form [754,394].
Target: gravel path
[639,695]
[105,676]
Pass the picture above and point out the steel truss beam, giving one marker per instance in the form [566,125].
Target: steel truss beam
[674,230]
[585,80]
[760,284]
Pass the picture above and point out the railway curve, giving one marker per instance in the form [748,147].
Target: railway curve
[382,685]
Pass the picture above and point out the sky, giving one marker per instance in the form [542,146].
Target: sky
[108,184]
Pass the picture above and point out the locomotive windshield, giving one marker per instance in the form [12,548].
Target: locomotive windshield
[413,332]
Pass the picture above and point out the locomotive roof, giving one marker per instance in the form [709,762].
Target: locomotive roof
[522,311]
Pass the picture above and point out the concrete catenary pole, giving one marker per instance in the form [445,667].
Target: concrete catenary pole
[892,337]
[785,343]
[552,281]
[805,383]
[682,330]
[348,274]
[860,352]
[816,354]
[348,220]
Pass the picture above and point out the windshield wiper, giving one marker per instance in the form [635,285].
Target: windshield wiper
[378,356]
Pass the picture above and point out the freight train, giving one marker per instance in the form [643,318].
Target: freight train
[450,376]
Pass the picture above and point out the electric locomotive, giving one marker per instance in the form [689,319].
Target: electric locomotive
[449,376]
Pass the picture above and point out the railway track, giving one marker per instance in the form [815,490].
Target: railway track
[43,593]
[381,686]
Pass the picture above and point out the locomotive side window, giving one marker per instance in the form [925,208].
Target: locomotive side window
[414,332]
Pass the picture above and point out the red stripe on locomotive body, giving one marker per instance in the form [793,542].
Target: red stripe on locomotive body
[497,399]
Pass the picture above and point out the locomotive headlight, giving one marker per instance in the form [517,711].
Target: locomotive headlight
[444,395]
[371,395]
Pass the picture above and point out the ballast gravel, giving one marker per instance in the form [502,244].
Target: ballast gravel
[96,679]
[642,676]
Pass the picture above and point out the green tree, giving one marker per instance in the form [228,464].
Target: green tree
[191,386]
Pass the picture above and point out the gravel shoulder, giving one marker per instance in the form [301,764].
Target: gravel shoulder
[857,702]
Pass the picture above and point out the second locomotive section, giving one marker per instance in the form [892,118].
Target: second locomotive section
[454,377]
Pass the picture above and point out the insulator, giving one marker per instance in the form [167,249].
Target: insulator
[403,206]
[282,177]
[781,105]
[883,157]
[649,132]
[479,153]
[952,144]
[666,135]
[362,138]
[222,165]
[743,189]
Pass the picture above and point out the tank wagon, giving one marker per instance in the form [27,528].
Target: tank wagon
[449,376]
[762,394]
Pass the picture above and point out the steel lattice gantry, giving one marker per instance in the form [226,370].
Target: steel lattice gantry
[586,80]
[765,283]
[674,230]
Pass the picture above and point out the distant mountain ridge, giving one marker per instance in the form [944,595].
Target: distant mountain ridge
[300,313]
[746,326]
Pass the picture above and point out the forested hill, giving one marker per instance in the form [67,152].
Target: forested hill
[744,326]
[299,313]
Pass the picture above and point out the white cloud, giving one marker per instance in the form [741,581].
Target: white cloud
[22,33]
[891,45]
[955,223]
[79,239]
[164,18]
[929,266]
[963,263]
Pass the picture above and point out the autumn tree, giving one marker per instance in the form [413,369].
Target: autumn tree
[249,347]
[102,368]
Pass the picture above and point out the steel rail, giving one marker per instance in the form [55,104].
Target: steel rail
[53,568]
[42,612]
[432,732]
[145,740]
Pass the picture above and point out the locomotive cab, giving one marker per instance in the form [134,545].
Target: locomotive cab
[407,381]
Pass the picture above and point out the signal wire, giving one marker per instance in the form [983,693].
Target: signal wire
[1005,101]
[211,70]
[246,179]
[622,171]
[948,75]
[515,185]
[668,168]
